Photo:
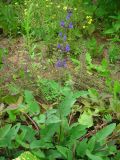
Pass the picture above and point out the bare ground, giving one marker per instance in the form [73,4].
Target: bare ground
[18,61]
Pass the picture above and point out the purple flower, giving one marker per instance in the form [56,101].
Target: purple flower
[67,48]
[65,37]
[70,25]
[62,24]
[60,34]
[59,46]
[68,15]
[61,63]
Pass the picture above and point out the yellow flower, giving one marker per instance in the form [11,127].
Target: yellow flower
[90,21]
[58,6]
[88,17]
[84,27]
[65,8]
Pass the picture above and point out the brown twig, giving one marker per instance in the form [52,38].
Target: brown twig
[33,122]
[90,133]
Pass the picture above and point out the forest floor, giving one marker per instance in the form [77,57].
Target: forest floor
[18,61]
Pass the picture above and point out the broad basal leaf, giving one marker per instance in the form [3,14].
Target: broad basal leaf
[105,132]
[28,96]
[81,148]
[65,152]
[4,130]
[93,157]
[42,144]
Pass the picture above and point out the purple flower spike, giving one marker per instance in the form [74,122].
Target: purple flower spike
[62,24]
[69,15]
[58,46]
[61,63]
[65,37]
[67,48]
[70,25]
[60,34]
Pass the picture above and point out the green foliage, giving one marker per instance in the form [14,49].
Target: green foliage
[51,90]
[93,48]
[55,121]
[3,53]
[9,19]
[86,119]
[113,52]
[102,69]
[27,156]
[57,138]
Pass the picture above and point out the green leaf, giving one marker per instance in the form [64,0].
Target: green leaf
[27,133]
[13,132]
[41,144]
[53,154]
[52,119]
[4,130]
[77,131]
[22,143]
[93,157]
[89,60]
[81,148]
[12,115]
[38,153]
[80,94]
[105,132]
[63,151]
[66,105]
[41,119]
[116,88]
[27,156]
[49,130]
[34,107]
[28,97]
[86,119]
[91,143]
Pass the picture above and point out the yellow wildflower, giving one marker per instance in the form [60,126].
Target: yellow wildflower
[65,8]
[90,21]
[58,6]
[88,17]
